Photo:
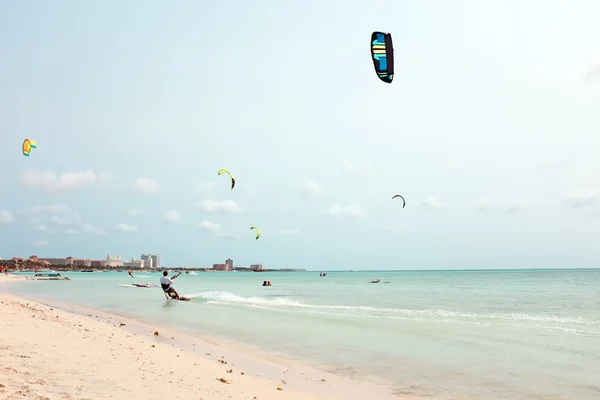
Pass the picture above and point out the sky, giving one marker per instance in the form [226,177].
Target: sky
[490,130]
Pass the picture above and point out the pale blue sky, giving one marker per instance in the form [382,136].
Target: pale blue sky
[490,111]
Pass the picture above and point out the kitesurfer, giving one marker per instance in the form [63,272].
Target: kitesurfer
[165,283]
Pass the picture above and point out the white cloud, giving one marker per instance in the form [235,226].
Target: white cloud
[352,211]
[216,229]
[146,186]
[40,243]
[209,226]
[96,230]
[172,217]
[135,212]
[288,231]
[583,198]
[517,206]
[432,202]
[228,235]
[594,72]
[213,207]
[71,232]
[41,227]
[6,217]
[50,209]
[206,189]
[71,219]
[483,205]
[124,228]
[53,183]
[311,189]
[363,167]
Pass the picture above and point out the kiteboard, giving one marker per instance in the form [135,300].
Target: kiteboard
[142,285]
[180,299]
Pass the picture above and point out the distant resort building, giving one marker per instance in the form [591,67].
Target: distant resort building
[228,266]
[113,261]
[133,263]
[256,267]
[151,260]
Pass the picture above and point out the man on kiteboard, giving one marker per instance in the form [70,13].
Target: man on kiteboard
[165,283]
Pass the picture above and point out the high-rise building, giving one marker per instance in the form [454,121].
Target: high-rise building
[155,260]
[229,263]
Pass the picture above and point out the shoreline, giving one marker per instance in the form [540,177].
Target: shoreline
[202,362]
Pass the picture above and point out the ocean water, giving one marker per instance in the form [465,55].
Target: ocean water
[500,334]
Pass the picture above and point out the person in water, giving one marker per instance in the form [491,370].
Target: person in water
[130,274]
[165,283]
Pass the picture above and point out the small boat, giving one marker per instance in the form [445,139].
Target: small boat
[50,276]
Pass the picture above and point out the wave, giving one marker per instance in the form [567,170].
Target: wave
[289,304]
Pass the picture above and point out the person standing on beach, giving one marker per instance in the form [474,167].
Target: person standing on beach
[165,283]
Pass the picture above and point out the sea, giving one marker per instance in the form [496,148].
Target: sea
[472,334]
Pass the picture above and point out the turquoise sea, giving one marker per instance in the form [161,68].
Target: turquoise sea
[488,334]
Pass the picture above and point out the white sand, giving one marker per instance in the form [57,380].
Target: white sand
[46,353]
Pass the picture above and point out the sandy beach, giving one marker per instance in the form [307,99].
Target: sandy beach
[50,353]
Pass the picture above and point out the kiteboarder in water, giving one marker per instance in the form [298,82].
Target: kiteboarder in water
[165,283]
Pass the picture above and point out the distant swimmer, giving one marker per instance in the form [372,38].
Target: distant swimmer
[130,274]
[165,283]
[377,281]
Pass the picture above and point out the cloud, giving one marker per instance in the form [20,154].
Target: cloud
[214,207]
[71,232]
[216,229]
[135,212]
[483,205]
[93,229]
[41,227]
[288,232]
[228,235]
[206,189]
[362,168]
[583,198]
[40,243]
[352,211]
[124,228]
[172,217]
[50,209]
[209,226]
[146,186]
[431,203]
[311,189]
[517,206]
[53,183]
[70,219]
[593,73]
[6,217]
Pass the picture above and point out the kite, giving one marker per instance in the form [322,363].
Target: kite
[223,171]
[382,52]
[403,201]
[257,231]
[28,144]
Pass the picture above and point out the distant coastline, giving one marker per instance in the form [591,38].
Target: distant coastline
[82,268]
